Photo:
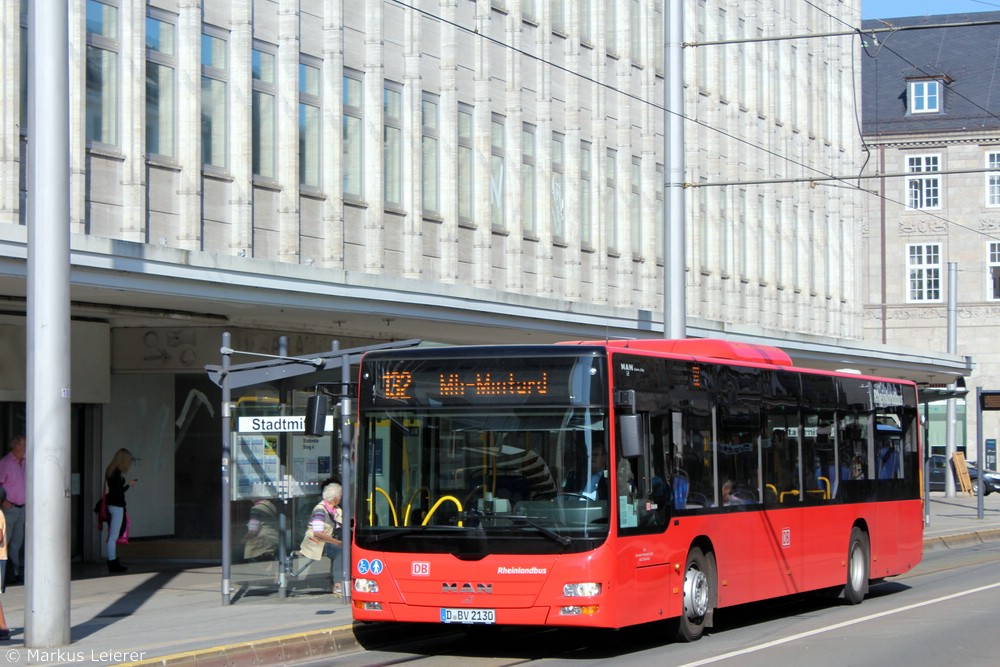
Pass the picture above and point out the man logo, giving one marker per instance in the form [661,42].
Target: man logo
[477,589]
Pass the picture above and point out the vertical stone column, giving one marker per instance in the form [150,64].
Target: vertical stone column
[77,117]
[482,121]
[373,137]
[10,112]
[413,172]
[133,124]
[332,133]
[189,123]
[239,130]
[287,118]
[448,144]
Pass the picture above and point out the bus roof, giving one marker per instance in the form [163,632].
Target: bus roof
[702,347]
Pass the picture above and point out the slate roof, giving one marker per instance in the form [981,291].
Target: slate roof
[968,56]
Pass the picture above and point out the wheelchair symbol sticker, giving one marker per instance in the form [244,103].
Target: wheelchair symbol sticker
[374,566]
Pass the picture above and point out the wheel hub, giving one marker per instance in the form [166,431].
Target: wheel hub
[695,594]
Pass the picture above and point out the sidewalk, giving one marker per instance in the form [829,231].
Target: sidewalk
[173,616]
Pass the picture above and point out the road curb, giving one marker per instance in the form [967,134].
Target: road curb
[271,651]
[961,540]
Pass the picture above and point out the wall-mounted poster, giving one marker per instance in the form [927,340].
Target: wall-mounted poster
[258,468]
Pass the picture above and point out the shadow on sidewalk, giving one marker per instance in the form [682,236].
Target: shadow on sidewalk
[127,603]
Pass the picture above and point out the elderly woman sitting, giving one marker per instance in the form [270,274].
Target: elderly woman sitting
[325,531]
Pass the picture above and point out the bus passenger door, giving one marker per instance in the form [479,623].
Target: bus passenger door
[641,498]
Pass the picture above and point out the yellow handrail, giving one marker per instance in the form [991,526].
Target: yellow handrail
[793,492]
[371,507]
[409,505]
[453,499]
[826,483]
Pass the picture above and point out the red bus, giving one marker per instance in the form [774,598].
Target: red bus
[608,484]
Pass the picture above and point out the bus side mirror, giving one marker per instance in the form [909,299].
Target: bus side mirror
[316,409]
[630,434]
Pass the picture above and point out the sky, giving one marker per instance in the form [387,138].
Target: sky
[880,9]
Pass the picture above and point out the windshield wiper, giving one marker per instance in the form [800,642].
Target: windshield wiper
[547,532]
[519,518]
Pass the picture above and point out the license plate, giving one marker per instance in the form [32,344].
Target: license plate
[470,616]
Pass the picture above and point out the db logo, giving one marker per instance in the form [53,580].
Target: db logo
[418,569]
[786,537]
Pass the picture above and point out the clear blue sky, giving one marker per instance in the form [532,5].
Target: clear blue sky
[880,9]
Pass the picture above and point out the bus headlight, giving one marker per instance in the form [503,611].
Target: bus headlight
[366,585]
[584,590]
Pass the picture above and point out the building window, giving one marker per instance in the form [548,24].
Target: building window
[214,74]
[994,269]
[528,11]
[611,26]
[529,222]
[923,192]
[661,215]
[429,143]
[392,151]
[635,209]
[498,210]
[102,73]
[262,111]
[465,164]
[309,134]
[611,199]
[925,96]
[993,179]
[558,13]
[558,203]
[586,198]
[586,34]
[160,87]
[353,144]
[923,265]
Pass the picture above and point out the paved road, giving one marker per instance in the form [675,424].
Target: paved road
[173,614]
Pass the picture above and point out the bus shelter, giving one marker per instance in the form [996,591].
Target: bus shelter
[274,469]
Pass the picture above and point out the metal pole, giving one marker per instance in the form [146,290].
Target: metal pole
[283,487]
[980,510]
[674,297]
[347,474]
[227,351]
[927,457]
[950,413]
[47,505]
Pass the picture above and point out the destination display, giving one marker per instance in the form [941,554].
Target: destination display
[555,381]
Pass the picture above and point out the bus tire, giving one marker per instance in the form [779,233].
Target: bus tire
[697,590]
[858,558]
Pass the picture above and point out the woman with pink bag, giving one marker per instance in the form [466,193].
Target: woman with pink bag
[115,498]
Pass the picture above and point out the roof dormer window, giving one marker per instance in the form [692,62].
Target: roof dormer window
[925,96]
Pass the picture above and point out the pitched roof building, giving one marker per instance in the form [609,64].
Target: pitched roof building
[931,130]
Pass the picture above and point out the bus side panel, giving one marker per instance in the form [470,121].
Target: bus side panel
[767,554]
[898,544]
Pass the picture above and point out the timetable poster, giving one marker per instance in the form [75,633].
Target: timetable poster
[258,468]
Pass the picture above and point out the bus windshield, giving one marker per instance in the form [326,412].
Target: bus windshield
[480,472]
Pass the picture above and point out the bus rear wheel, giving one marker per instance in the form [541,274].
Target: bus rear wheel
[857,567]
[697,597]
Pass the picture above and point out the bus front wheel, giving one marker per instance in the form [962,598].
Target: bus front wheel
[697,597]
[857,567]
